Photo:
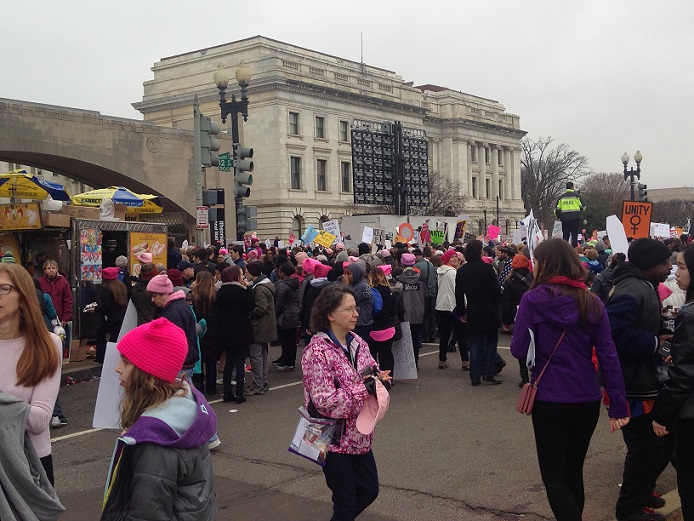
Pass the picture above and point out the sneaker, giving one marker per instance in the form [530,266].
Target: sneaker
[476,383]
[491,381]
[214,444]
[252,391]
[647,514]
[233,382]
[286,368]
[443,365]
[220,381]
[655,500]
[466,366]
[264,389]
[58,421]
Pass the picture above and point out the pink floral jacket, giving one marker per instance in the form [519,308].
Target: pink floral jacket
[337,388]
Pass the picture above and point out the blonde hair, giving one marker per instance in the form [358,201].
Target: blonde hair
[40,359]
[144,391]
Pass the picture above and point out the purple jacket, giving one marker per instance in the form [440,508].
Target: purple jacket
[570,376]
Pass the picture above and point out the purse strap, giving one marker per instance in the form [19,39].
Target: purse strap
[550,357]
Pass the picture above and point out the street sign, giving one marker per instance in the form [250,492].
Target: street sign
[225,162]
[636,218]
[202,221]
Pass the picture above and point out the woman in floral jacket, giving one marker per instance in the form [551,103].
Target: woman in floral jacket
[333,365]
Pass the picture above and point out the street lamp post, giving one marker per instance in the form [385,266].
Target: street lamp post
[631,173]
[234,107]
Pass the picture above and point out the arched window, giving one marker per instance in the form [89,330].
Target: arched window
[323,219]
[298,226]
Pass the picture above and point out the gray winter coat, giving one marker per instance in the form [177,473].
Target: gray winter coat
[414,293]
[263,315]
[25,492]
[287,305]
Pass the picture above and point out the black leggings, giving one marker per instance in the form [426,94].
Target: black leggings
[562,436]
[47,462]
[449,324]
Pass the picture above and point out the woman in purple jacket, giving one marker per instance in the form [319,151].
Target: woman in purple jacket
[567,405]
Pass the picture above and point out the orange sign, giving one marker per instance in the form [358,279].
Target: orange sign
[636,218]
[143,242]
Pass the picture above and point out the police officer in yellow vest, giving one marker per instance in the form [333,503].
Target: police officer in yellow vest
[569,211]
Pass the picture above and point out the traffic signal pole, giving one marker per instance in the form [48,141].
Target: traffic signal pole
[197,159]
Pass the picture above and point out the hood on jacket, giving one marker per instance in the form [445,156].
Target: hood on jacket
[627,270]
[357,272]
[176,295]
[264,281]
[319,282]
[444,268]
[547,301]
[409,276]
[183,422]
[292,282]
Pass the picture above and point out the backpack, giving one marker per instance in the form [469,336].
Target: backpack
[377,301]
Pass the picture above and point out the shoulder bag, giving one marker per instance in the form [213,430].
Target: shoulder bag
[527,395]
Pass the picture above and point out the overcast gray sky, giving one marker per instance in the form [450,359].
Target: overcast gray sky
[603,76]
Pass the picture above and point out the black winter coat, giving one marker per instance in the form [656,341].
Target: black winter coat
[676,398]
[387,317]
[178,311]
[234,303]
[514,289]
[477,281]
[287,306]
[143,303]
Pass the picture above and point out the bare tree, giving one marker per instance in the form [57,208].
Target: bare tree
[674,212]
[443,192]
[603,194]
[544,172]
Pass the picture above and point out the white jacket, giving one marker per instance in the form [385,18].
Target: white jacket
[445,299]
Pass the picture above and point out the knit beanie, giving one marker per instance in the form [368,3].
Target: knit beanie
[110,273]
[255,268]
[144,257]
[158,348]
[148,271]
[520,261]
[321,270]
[407,259]
[341,257]
[160,284]
[175,277]
[8,257]
[646,253]
[300,258]
[447,256]
[309,265]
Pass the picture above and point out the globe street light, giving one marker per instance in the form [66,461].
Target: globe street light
[631,173]
[233,107]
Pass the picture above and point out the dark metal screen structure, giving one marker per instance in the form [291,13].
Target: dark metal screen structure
[389,165]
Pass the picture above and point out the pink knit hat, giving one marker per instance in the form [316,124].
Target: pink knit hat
[144,257]
[321,270]
[444,258]
[160,284]
[158,348]
[109,273]
[407,259]
[309,265]
[300,257]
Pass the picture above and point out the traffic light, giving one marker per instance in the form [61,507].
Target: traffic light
[242,168]
[244,221]
[209,144]
[643,193]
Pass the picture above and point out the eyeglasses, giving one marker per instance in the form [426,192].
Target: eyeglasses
[351,311]
[5,289]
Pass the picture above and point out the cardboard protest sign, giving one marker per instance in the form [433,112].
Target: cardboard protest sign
[618,237]
[636,218]
[405,367]
[493,231]
[437,236]
[325,239]
[332,227]
[309,235]
[460,227]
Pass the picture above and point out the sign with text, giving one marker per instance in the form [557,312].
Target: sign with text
[332,227]
[437,236]
[636,218]
[201,221]
[324,239]
[225,162]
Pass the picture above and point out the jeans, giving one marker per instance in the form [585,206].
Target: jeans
[288,339]
[647,456]
[259,364]
[562,436]
[685,466]
[482,346]
[353,480]
[416,331]
[382,352]
[447,325]
[235,359]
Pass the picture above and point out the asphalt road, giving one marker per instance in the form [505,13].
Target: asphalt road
[445,451]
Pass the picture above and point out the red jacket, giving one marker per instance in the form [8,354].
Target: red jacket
[59,290]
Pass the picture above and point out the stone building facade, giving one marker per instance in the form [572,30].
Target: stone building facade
[302,104]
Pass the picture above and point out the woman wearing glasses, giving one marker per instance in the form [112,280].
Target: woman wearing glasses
[30,368]
[334,366]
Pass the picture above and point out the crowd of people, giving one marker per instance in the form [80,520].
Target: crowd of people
[587,318]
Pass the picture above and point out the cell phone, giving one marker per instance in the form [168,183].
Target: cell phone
[664,350]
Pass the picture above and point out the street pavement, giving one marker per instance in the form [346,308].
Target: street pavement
[445,451]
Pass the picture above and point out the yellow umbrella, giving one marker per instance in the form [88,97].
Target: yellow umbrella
[18,184]
[135,203]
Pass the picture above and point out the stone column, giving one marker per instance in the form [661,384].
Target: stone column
[470,144]
[508,174]
[482,162]
[494,152]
